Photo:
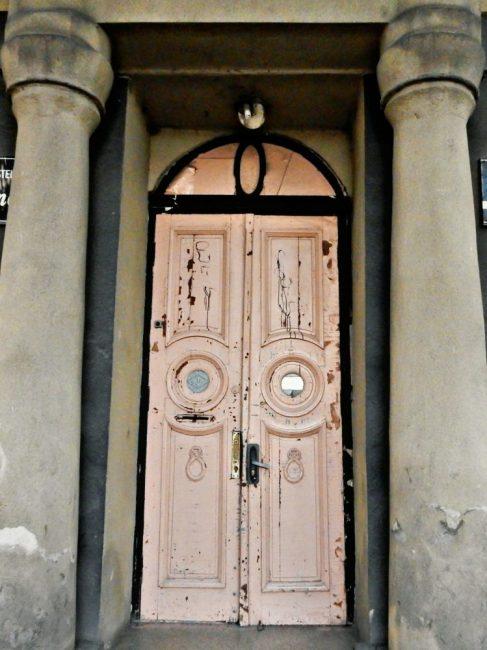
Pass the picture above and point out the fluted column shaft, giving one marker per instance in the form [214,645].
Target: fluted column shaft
[429,73]
[56,67]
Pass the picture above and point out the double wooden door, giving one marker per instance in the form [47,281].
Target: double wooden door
[243,496]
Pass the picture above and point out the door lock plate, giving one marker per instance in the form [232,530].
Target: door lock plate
[236,460]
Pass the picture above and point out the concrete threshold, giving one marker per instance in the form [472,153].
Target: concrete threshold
[200,636]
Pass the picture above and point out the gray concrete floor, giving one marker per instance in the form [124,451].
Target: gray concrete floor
[220,637]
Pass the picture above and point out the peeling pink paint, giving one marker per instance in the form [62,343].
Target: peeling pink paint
[246,301]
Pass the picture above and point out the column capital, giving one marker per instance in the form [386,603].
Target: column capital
[61,46]
[431,41]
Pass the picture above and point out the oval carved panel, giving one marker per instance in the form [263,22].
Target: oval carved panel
[249,168]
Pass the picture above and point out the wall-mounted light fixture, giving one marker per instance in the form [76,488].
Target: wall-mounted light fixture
[251,114]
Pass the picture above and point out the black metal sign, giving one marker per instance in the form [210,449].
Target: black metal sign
[6,167]
[483,192]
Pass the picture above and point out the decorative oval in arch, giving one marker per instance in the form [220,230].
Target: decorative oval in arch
[166,199]
[237,168]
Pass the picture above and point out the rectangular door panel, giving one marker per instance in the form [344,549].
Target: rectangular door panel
[192,548]
[295,513]
[191,525]
[198,281]
[295,543]
[291,298]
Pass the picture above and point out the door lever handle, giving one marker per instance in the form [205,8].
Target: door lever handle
[254,464]
[261,464]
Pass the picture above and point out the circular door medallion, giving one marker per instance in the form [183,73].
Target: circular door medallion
[197,381]
[292,385]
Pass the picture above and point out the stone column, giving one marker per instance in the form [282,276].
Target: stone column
[56,67]
[429,73]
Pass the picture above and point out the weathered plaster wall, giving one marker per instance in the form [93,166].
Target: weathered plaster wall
[378,208]
[190,11]
[170,144]
[477,139]
[228,11]
[116,587]
[358,379]
[370,365]
[112,365]
[106,164]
